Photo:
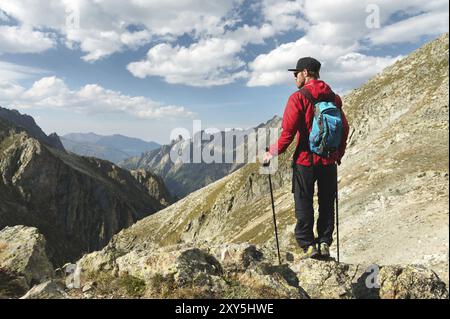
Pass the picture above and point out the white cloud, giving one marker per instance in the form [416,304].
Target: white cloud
[353,69]
[331,30]
[271,68]
[283,15]
[135,39]
[206,63]
[10,91]
[341,66]
[98,44]
[38,14]
[52,92]
[214,60]
[336,32]
[23,39]
[430,24]
[105,25]
[344,22]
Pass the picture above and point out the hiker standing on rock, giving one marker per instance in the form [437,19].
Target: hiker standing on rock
[313,113]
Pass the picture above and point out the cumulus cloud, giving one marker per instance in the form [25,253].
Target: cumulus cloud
[337,35]
[23,39]
[340,65]
[52,92]
[334,35]
[209,62]
[345,22]
[283,15]
[219,34]
[104,26]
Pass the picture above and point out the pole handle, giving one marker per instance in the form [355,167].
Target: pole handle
[267,164]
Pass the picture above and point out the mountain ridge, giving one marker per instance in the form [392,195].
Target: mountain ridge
[114,148]
[28,124]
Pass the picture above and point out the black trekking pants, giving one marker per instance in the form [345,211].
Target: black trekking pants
[304,178]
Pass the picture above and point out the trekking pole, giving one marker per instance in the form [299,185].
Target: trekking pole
[273,210]
[337,215]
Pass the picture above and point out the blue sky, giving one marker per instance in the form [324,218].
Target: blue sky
[142,68]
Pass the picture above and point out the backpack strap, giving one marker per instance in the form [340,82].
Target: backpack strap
[328,98]
[308,95]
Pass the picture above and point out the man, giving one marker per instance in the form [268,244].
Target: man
[309,167]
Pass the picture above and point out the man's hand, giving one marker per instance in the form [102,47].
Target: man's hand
[267,157]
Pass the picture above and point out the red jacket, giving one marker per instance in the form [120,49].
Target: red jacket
[297,120]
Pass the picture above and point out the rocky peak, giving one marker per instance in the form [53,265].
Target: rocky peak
[27,123]
[274,122]
[23,260]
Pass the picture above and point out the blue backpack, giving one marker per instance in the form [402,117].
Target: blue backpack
[326,132]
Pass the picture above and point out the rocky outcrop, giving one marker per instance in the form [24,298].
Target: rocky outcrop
[185,271]
[78,203]
[332,280]
[47,290]
[23,260]
[410,282]
[190,272]
[244,271]
[185,178]
[155,186]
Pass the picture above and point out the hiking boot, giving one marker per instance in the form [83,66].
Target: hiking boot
[310,252]
[324,249]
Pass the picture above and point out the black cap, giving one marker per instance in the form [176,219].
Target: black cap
[307,63]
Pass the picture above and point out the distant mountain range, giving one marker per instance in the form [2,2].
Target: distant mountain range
[114,148]
[184,178]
